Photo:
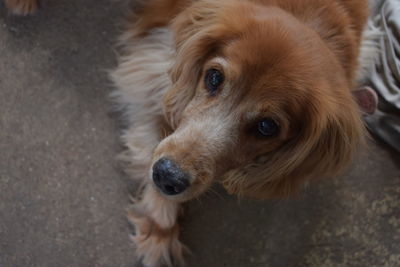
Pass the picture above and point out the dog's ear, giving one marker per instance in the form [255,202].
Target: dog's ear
[197,34]
[324,147]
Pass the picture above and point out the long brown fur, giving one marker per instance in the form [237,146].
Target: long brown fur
[295,61]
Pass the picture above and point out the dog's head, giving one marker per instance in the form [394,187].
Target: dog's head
[258,103]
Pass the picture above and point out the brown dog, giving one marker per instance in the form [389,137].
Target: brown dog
[254,94]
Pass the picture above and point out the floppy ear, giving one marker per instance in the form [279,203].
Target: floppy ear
[197,35]
[324,147]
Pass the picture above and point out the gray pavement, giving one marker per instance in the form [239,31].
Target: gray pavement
[62,198]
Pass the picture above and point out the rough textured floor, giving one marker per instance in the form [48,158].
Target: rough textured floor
[62,199]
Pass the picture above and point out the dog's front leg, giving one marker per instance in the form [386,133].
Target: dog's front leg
[157,230]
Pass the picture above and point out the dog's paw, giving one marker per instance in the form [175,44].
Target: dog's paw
[22,7]
[155,246]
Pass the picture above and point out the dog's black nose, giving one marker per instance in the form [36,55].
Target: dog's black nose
[169,178]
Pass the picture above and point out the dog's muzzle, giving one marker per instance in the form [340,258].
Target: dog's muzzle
[169,177]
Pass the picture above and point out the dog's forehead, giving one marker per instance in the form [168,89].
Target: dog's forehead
[264,81]
[265,55]
[271,68]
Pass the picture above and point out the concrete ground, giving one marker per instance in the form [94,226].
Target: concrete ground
[62,199]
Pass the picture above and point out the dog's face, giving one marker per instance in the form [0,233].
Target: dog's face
[258,103]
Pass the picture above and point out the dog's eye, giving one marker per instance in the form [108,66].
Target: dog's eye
[268,127]
[213,79]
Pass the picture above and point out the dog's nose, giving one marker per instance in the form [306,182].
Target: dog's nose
[169,177]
